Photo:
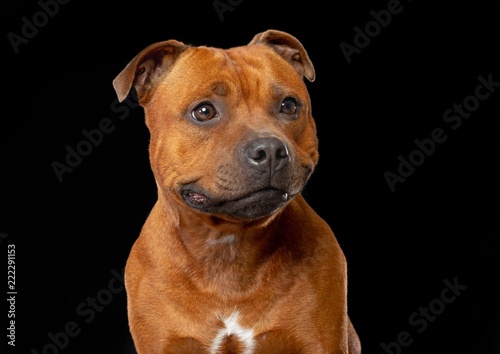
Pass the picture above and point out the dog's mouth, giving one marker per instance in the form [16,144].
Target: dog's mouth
[253,205]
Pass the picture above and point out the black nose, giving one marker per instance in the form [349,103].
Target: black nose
[267,154]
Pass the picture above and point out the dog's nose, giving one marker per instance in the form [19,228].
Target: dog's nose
[267,154]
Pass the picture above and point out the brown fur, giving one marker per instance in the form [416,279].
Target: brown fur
[283,271]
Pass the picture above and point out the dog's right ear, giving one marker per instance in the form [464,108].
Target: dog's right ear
[147,67]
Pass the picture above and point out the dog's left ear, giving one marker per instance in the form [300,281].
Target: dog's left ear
[289,48]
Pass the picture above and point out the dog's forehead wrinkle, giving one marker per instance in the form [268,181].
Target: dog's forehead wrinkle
[220,88]
[256,76]
[245,68]
[276,90]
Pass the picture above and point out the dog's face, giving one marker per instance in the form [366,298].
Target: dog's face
[232,133]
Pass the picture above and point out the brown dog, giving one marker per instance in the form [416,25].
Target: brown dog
[232,259]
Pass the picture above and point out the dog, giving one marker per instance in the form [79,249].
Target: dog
[231,258]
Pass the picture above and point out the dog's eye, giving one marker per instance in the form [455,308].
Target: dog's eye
[289,106]
[204,112]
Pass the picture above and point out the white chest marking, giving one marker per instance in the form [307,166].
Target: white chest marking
[232,327]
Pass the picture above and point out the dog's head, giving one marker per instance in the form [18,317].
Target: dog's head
[232,133]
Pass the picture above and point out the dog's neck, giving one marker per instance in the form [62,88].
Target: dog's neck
[223,254]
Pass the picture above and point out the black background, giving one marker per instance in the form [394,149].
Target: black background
[441,223]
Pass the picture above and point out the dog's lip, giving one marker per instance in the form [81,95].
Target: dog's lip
[197,198]
[262,193]
[201,200]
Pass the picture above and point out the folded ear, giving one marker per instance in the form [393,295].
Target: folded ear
[288,47]
[147,67]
